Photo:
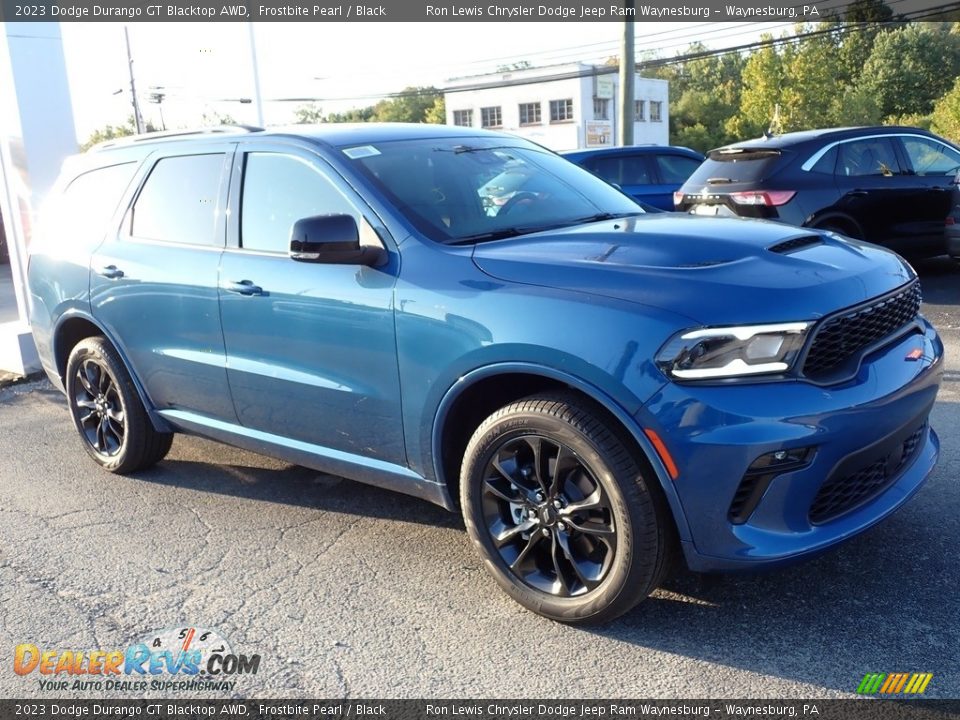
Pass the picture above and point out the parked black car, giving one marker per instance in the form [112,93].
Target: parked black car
[887,185]
[952,229]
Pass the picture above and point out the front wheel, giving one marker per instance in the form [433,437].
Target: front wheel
[107,411]
[561,512]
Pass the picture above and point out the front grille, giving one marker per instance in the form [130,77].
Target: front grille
[841,338]
[841,494]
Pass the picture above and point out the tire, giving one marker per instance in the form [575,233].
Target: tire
[595,542]
[107,412]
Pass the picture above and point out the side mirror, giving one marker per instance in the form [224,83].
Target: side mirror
[334,240]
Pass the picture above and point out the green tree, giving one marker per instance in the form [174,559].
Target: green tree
[705,94]
[945,119]
[410,105]
[437,114]
[911,67]
[357,115]
[308,114]
[810,99]
[112,132]
[764,80]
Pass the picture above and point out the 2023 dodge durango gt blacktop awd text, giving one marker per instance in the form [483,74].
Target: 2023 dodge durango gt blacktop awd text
[591,386]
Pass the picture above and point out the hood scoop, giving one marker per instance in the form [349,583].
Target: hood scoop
[795,244]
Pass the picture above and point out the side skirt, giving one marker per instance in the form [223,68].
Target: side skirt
[354,467]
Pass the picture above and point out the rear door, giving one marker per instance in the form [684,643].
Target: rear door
[311,348]
[876,191]
[153,284]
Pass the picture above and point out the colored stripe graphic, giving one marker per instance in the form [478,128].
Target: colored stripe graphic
[894,683]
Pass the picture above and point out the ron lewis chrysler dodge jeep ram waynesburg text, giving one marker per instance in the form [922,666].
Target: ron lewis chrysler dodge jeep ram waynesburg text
[592,387]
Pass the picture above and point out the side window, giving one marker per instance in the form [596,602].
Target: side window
[629,170]
[178,203]
[675,169]
[278,190]
[80,215]
[827,164]
[871,156]
[928,157]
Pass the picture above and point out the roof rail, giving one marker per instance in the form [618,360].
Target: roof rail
[163,135]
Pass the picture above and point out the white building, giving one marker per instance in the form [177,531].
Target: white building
[563,107]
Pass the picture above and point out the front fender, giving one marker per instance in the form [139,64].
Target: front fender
[609,404]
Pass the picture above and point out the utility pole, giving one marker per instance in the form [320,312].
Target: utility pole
[257,100]
[625,96]
[137,117]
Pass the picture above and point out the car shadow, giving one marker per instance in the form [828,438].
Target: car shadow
[225,471]
[885,601]
[939,277]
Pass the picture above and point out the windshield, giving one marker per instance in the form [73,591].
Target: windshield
[461,190]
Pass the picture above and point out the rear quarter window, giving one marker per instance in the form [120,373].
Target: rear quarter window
[80,215]
[739,166]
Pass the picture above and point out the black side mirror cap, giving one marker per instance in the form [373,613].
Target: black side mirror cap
[332,240]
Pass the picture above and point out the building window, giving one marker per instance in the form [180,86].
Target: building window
[530,113]
[561,110]
[639,111]
[490,117]
[463,118]
[601,109]
[655,106]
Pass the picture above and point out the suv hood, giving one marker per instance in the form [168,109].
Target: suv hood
[714,271]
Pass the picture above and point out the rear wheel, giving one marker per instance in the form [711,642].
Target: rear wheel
[107,411]
[560,511]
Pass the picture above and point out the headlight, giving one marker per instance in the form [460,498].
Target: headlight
[723,352]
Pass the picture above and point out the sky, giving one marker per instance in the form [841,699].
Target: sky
[207,67]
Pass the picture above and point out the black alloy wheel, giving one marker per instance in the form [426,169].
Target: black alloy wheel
[101,418]
[107,411]
[548,516]
[563,514]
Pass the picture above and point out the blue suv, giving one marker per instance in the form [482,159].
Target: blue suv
[599,391]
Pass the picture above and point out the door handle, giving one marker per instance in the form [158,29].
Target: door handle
[242,287]
[111,272]
[857,193]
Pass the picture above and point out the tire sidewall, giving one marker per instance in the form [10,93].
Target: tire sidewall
[94,349]
[488,439]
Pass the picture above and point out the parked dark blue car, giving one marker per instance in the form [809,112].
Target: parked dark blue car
[650,174]
[593,387]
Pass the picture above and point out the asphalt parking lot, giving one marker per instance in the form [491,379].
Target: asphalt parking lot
[348,590]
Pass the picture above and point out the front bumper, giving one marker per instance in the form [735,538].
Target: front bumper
[868,437]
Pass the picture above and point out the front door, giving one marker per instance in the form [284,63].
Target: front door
[311,349]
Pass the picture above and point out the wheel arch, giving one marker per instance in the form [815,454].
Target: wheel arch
[75,327]
[479,393]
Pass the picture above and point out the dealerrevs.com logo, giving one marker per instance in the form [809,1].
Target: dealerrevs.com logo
[184,658]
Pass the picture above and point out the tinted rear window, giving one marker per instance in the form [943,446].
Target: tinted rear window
[741,166]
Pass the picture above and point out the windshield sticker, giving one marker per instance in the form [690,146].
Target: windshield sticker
[355,153]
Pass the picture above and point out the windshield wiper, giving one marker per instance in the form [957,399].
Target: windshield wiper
[598,218]
[510,232]
[492,235]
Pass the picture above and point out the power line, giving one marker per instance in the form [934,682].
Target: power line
[645,64]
